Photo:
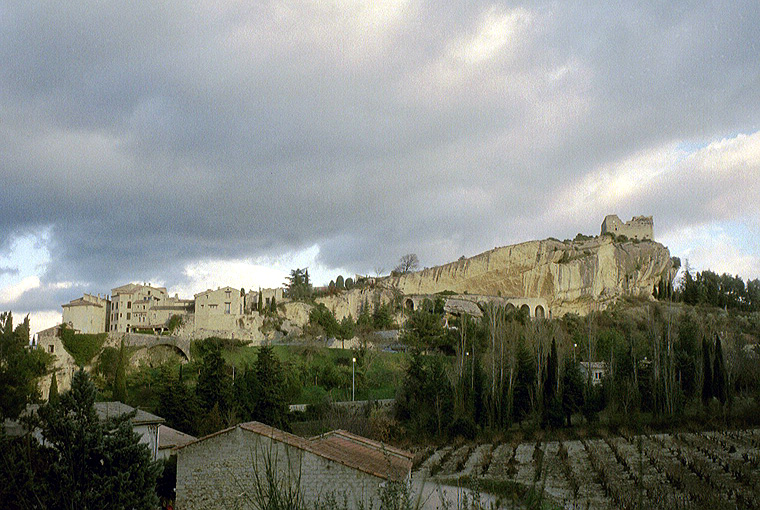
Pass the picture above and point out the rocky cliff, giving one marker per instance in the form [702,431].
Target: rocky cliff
[571,276]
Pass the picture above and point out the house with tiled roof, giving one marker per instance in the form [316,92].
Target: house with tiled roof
[228,468]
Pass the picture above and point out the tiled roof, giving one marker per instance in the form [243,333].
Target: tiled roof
[107,410]
[367,455]
[81,302]
[338,446]
[171,438]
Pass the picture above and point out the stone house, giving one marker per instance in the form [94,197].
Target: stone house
[223,470]
[218,310]
[169,440]
[595,369]
[88,314]
[130,304]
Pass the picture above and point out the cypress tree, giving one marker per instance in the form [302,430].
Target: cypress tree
[53,393]
[261,302]
[719,373]
[273,305]
[707,379]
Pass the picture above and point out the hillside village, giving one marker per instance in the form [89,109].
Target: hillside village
[515,275]
[512,310]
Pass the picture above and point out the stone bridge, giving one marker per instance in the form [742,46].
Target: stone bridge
[537,308]
[180,344]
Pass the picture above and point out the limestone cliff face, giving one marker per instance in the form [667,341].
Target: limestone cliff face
[572,277]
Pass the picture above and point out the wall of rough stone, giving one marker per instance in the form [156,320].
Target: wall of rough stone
[64,364]
[220,472]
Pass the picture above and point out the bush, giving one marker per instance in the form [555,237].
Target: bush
[82,347]
[463,427]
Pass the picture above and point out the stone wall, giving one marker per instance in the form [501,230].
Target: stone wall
[640,227]
[63,365]
[219,472]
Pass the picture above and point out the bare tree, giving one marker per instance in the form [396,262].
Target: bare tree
[408,263]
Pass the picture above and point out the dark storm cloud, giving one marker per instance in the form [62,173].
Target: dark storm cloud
[148,136]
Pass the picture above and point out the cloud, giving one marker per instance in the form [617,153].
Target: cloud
[12,293]
[195,143]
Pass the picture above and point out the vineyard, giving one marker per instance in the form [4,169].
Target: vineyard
[676,471]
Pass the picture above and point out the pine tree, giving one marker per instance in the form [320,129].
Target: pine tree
[271,407]
[214,383]
[97,464]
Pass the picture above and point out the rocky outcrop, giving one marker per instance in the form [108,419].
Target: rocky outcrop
[571,276]
[351,302]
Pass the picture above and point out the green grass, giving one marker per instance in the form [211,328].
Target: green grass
[318,370]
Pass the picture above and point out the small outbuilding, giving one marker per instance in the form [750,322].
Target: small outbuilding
[234,467]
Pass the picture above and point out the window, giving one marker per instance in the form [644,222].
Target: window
[212,307]
[129,304]
[228,293]
[52,348]
[128,314]
[227,308]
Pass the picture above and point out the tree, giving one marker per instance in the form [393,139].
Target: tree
[298,284]
[273,306]
[260,307]
[97,464]
[271,407]
[707,379]
[719,373]
[53,392]
[214,383]
[349,283]
[20,367]
[572,390]
[340,284]
[407,263]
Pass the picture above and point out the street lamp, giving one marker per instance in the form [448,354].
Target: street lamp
[574,347]
[353,379]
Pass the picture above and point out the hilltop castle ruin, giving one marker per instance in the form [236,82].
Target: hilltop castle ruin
[640,227]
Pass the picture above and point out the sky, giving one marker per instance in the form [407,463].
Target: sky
[201,144]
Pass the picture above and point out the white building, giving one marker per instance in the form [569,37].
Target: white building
[218,310]
[88,314]
[596,369]
[130,304]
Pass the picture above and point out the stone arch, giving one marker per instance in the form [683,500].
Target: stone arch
[409,304]
[510,307]
[169,346]
[525,308]
[540,313]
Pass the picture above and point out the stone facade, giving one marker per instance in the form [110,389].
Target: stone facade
[218,310]
[64,365]
[88,314]
[130,305]
[640,227]
[223,470]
